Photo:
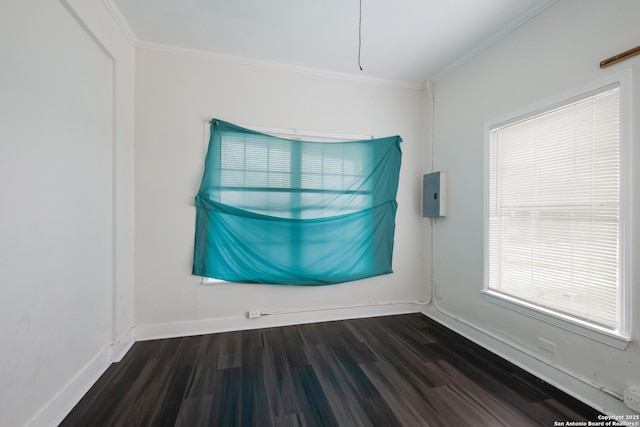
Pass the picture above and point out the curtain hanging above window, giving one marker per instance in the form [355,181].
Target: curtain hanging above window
[280,211]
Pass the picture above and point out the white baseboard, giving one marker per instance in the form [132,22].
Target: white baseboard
[63,403]
[68,398]
[590,394]
[209,326]
[119,349]
[70,395]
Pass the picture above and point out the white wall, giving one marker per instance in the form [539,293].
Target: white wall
[66,167]
[556,51]
[97,21]
[66,121]
[175,95]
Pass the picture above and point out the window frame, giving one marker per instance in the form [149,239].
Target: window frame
[287,133]
[620,337]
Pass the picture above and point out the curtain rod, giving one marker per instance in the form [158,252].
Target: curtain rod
[620,57]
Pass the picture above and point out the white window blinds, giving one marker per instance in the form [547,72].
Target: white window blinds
[554,209]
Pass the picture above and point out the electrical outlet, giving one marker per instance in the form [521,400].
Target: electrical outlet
[254,314]
[632,398]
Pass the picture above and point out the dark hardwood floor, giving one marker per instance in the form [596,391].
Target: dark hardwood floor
[402,370]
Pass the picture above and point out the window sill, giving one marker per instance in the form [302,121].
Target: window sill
[212,281]
[556,319]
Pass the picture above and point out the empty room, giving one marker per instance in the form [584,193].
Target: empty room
[336,213]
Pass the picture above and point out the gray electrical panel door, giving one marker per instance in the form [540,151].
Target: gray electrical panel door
[432,195]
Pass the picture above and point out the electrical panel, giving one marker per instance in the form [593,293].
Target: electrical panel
[434,187]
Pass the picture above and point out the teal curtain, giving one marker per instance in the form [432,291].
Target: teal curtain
[282,211]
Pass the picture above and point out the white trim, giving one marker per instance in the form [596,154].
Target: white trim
[620,338]
[557,319]
[212,281]
[626,120]
[274,65]
[119,18]
[603,400]
[292,132]
[112,163]
[623,77]
[210,326]
[60,406]
[515,24]
[119,349]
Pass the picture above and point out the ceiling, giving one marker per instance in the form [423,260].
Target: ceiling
[403,41]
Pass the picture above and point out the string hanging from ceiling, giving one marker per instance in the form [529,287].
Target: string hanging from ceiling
[360,35]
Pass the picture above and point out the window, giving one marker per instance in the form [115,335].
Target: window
[284,211]
[305,174]
[249,166]
[270,176]
[555,246]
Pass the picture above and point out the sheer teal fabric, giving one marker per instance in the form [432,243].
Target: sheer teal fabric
[281,211]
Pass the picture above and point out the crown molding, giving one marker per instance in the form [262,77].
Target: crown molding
[114,10]
[274,65]
[515,24]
